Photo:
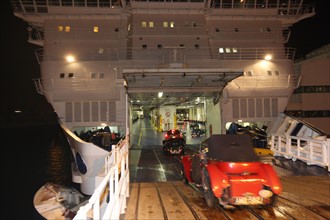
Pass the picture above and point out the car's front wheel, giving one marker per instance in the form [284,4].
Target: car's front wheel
[208,193]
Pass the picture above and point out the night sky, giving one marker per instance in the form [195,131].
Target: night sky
[19,65]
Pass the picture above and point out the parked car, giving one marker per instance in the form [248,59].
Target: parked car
[174,146]
[228,172]
[197,132]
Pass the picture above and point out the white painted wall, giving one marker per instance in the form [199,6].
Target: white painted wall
[167,115]
[213,118]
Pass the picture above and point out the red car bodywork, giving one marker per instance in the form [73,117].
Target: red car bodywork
[235,177]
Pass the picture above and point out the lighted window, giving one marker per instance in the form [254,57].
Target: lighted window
[234,50]
[228,50]
[67,28]
[96,29]
[151,24]
[144,24]
[221,50]
[172,24]
[101,50]
[60,28]
[165,24]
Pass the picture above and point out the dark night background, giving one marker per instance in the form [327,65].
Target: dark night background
[26,139]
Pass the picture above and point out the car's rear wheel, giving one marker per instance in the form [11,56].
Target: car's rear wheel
[184,176]
[182,151]
[208,193]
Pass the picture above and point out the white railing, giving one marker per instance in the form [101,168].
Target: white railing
[109,198]
[165,55]
[312,151]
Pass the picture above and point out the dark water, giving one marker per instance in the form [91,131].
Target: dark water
[31,156]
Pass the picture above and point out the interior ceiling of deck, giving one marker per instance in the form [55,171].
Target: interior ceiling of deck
[181,87]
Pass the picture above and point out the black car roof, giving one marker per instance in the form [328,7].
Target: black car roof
[230,148]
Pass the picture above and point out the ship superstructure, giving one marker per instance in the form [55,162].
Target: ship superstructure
[100,59]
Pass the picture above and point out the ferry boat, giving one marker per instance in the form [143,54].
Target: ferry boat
[105,63]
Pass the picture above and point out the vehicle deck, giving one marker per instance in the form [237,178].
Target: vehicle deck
[303,197]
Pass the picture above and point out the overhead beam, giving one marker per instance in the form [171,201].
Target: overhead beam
[174,89]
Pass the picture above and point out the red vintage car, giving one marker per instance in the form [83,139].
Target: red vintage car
[228,172]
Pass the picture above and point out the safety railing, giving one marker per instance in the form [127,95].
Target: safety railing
[312,151]
[283,7]
[172,54]
[109,198]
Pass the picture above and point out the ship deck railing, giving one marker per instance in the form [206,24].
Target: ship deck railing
[312,151]
[172,55]
[110,197]
[282,7]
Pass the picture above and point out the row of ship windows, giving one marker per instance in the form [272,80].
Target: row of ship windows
[310,114]
[222,50]
[61,28]
[312,89]
[93,75]
[149,24]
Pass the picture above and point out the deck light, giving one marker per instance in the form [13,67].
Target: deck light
[268,57]
[70,58]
